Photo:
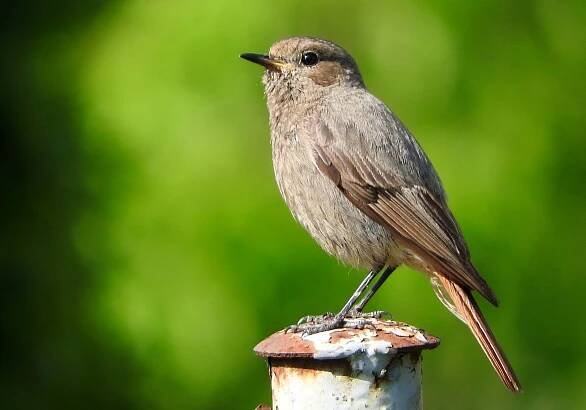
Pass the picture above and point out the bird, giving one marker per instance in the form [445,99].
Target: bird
[357,180]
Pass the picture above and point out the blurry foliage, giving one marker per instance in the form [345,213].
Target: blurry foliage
[145,248]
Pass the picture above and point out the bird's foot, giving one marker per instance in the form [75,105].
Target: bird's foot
[359,314]
[314,324]
[309,325]
[315,318]
[357,319]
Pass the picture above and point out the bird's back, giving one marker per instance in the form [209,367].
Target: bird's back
[363,124]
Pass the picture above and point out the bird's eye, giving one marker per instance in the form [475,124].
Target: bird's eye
[309,58]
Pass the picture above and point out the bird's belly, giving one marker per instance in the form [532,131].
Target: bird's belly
[333,221]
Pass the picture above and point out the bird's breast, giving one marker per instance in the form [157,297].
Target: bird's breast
[319,206]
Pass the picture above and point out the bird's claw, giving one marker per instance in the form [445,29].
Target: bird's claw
[327,324]
[312,324]
[315,318]
[377,314]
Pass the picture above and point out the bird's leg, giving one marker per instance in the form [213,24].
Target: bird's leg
[333,322]
[315,318]
[357,310]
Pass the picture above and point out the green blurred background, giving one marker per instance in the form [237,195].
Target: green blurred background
[145,248]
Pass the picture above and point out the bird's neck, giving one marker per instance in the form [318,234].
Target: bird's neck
[288,108]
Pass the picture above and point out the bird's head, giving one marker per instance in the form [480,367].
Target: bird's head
[302,66]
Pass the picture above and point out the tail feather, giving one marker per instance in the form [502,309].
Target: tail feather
[467,309]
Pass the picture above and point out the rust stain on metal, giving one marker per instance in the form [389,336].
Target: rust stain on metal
[283,372]
[283,344]
[338,336]
[400,336]
[304,368]
[308,366]
[414,357]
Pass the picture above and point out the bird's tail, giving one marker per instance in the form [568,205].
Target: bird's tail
[466,308]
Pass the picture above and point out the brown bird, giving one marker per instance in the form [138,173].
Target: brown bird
[358,181]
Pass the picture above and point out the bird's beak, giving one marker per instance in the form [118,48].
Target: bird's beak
[264,60]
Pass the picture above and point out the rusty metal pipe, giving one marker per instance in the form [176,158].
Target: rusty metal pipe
[378,367]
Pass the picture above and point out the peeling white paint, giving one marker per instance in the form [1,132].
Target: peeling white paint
[397,388]
[376,367]
[378,377]
[366,353]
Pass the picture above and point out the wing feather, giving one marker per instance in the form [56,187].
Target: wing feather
[414,212]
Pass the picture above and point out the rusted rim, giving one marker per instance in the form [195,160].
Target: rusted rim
[402,338]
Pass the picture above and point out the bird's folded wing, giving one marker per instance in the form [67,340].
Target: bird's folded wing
[420,220]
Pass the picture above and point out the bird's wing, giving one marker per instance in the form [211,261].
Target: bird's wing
[409,203]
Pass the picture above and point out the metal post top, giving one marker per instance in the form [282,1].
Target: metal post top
[377,337]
